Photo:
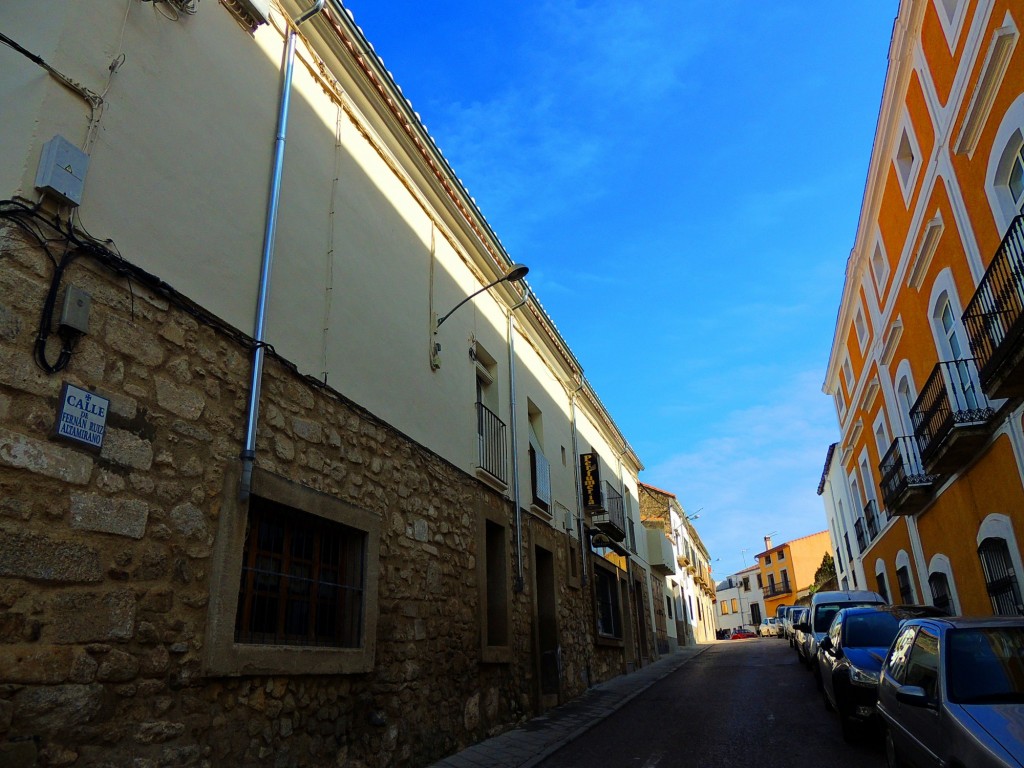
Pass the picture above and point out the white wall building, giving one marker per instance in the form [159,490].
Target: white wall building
[738,600]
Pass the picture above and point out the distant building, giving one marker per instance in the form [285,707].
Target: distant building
[786,571]
[690,588]
[738,601]
[924,490]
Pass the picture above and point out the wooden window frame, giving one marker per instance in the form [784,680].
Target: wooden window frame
[222,654]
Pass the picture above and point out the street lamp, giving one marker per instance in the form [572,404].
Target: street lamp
[515,274]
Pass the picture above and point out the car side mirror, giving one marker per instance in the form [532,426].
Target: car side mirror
[803,626]
[826,644]
[914,696]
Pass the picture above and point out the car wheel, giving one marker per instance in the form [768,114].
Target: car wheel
[828,704]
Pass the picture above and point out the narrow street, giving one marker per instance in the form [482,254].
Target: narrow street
[746,702]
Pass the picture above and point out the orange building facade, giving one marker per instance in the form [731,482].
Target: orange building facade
[925,497]
[786,571]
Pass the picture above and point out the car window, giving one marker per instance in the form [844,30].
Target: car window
[823,615]
[986,665]
[870,630]
[897,662]
[836,630]
[923,663]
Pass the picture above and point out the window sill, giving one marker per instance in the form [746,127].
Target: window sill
[494,482]
[540,512]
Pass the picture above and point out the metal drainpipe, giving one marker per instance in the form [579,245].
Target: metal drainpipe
[520,583]
[576,476]
[248,456]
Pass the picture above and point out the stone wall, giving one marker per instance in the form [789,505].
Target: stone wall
[106,559]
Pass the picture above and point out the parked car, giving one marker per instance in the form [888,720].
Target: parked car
[769,627]
[782,615]
[850,658]
[742,633]
[952,693]
[798,615]
[824,607]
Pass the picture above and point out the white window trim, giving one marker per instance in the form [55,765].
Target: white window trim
[860,327]
[908,182]
[1011,131]
[891,340]
[903,561]
[904,371]
[882,421]
[952,26]
[923,256]
[941,564]
[848,377]
[944,285]
[993,71]
[880,276]
[997,526]
[840,405]
[880,569]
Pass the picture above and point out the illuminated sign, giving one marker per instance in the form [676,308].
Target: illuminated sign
[82,416]
[590,479]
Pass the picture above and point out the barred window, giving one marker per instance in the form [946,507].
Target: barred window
[302,580]
[1000,577]
[939,585]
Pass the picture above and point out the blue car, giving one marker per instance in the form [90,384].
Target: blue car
[851,654]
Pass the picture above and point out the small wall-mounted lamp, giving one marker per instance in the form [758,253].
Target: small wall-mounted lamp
[514,275]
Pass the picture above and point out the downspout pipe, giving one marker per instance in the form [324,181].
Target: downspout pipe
[248,456]
[519,584]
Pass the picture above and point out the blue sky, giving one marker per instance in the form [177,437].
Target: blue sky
[684,180]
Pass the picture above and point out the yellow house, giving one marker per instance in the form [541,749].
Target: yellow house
[786,571]
[926,497]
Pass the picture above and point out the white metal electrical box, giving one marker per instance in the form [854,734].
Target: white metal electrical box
[258,9]
[62,168]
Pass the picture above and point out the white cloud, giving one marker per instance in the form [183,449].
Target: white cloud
[757,472]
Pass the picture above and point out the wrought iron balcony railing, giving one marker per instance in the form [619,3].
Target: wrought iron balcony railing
[871,517]
[490,432]
[906,487]
[612,520]
[862,539]
[994,318]
[774,590]
[951,416]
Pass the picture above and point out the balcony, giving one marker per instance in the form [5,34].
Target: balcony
[776,590]
[995,318]
[952,417]
[490,432]
[659,550]
[906,487]
[611,521]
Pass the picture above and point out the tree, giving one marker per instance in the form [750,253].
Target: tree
[825,576]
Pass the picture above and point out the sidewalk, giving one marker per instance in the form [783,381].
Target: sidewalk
[531,742]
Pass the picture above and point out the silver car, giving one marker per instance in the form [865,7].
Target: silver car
[952,693]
